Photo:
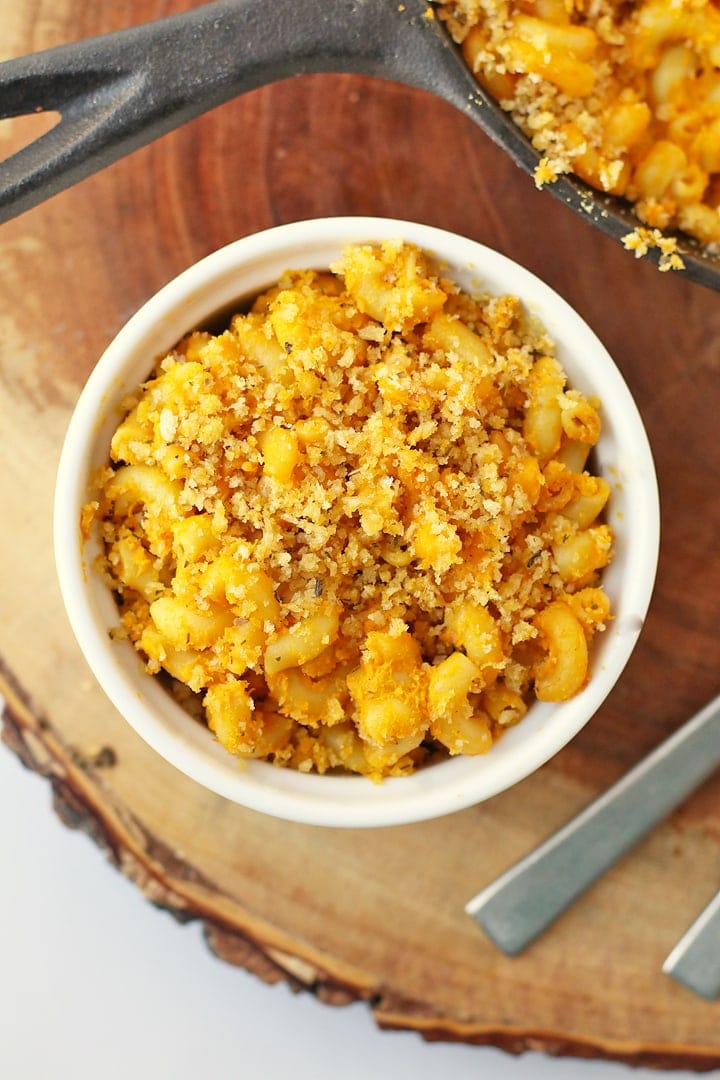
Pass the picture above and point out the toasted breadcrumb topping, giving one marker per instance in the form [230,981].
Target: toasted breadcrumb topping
[641,240]
[339,521]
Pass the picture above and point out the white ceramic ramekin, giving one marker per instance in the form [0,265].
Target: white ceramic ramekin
[236,272]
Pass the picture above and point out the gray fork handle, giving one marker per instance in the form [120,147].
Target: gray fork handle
[695,960]
[527,898]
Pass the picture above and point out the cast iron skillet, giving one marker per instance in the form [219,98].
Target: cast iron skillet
[120,91]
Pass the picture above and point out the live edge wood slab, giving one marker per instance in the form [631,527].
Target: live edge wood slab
[376,915]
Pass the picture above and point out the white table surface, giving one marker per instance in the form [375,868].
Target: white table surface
[96,984]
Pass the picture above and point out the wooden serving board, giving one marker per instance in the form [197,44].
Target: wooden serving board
[376,915]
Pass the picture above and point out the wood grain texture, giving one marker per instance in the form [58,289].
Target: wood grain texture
[376,915]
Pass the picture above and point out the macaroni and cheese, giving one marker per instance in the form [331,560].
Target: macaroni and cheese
[357,524]
[626,95]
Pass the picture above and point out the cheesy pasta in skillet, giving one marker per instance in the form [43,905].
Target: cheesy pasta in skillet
[357,525]
[625,95]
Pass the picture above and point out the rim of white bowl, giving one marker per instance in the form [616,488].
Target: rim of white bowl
[349,801]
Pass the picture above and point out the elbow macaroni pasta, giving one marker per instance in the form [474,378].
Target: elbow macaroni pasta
[357,525]
[627,96]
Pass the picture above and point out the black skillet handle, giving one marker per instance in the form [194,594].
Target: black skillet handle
[120,91]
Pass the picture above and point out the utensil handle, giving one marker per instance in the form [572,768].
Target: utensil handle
[518,906]
[120,91]
[695,960]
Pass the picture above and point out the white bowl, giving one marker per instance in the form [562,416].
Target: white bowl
[623,455]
